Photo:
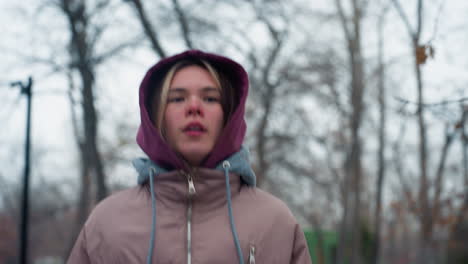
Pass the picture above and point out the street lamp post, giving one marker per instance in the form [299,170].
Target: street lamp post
[26,89]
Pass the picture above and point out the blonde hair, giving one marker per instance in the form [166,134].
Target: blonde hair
[158,105]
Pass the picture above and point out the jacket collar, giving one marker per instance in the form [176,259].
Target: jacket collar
[239,162]
[172,184]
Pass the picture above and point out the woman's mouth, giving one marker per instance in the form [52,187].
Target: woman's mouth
[194,129]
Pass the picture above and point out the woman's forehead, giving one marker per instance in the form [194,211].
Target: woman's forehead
[193,76]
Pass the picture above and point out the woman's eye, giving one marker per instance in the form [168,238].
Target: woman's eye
[175,99]
[212,99]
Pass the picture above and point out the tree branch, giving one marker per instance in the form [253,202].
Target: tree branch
[148,29]
[440,171]
[343,21]
[115,50]
[445,102]
[183,24]
[404,17]
[436,23]
[420,17]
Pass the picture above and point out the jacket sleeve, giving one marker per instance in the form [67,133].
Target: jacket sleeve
[300,254]
[79,253]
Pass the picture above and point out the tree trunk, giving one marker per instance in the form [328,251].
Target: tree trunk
[463,128]
[350,250]
[91,129]
[81,60]
[382,145]
[84,199]
[449,136]
[425,216]
[320,250]
[457,249]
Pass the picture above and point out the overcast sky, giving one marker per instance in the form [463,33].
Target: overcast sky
[445,75]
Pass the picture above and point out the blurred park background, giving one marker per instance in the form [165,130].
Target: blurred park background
[357,116]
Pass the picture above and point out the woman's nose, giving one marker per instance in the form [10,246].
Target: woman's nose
[194,107]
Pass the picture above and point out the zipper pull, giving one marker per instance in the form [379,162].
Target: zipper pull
[191,186]
[252,255]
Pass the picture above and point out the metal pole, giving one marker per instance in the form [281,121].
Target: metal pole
[27,90]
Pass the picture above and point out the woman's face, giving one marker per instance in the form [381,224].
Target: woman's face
[193,118]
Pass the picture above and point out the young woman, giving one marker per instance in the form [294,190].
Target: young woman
[196,201]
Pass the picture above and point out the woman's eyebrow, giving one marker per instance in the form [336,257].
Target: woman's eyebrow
[207,89]
[210,89]
[177,90]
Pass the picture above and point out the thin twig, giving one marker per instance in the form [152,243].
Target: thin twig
[436,23]
[404,17]
[445,102]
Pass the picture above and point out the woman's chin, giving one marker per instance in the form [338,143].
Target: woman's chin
[194,157]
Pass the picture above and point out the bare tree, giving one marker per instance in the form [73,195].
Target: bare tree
[81,53]
[450,133]
[84,60]
[350,231]
[464,129]
[429,209]
[267,90]
[382,137]
[457,245]
[48,208]
[417,48]
[439,210]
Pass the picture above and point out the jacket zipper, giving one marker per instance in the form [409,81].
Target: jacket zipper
[252,255]
[191,192]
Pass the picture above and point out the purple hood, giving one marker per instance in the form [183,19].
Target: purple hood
[232,136]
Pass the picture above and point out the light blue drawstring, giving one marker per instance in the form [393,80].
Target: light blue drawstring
[226,166]
[153,217]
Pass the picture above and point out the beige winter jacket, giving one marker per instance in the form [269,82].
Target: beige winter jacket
[118,230]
